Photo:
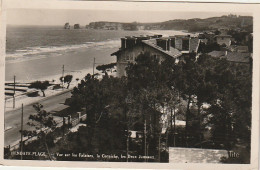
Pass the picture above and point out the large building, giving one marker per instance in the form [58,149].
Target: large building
[158,46]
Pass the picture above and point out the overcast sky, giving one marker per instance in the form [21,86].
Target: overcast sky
[83,17]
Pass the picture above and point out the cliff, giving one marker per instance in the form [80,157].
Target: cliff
[112,26]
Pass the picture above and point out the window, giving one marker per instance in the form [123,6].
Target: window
[154,57]
[185,44]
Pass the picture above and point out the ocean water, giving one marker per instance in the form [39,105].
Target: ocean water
[37,52]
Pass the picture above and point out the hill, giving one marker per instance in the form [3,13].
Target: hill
[197,24]
[191,25]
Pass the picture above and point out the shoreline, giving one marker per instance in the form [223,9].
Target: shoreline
[101,51]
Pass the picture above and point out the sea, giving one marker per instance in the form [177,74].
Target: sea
[39,52]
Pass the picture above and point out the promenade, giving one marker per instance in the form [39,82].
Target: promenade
[13,117]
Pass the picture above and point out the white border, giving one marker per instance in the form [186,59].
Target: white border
[151,6]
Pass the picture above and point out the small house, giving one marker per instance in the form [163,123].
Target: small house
[224,40]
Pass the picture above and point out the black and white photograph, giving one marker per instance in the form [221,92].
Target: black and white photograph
[128,85]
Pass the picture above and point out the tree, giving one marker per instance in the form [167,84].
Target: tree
[40,86]
[206,48]
[43,123]
[67,79]
[187,83]
[205,91]
[106,67]
[147,82]
[103,101]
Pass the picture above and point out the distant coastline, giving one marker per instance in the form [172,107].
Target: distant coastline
[191,25]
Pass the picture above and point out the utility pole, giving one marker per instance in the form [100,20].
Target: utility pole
[145,139]
[14,94]
[94,66]
[127,145]
[22,134]
[62,77]
[159,148]
[4,113]
[171,119]
[174,126]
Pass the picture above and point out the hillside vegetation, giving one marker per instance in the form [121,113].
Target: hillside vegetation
[191,25]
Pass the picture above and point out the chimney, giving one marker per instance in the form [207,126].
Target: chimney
[163,43]
[123,43]
[185,44]
[130,42]
[173,42]
[168,44]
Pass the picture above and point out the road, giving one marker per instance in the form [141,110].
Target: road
[13,118]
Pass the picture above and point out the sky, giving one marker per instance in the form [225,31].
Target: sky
[83,17]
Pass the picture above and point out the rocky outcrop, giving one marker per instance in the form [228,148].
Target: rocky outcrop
[76,26]
[67,26]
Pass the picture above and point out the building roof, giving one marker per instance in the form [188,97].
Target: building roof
[217,53]
[232,56]
[117,52]
[238,57]
[172,52]
[239,48]
[242,47]
[194,44]
[180,36]
[224,36]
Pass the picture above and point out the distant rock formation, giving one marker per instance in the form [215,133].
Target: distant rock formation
[76,26]
[103,25]
[67,26]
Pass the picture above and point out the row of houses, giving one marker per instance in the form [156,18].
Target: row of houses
[233,53]
[175,47]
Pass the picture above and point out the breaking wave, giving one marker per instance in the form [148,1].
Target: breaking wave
[31,53]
